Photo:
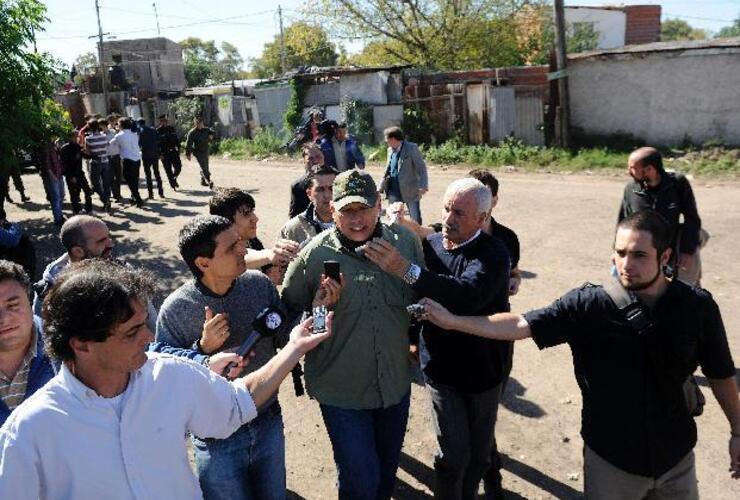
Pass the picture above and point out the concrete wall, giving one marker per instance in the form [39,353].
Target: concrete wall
[150,63]
[367,87]
[610,24]
[384,117]
[322,94]
[661,97]
[272,103]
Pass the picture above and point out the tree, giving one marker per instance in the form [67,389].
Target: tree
[677,29]
[728,31]
[305,45]
[435,34]
[27,82]
[204,62]
[86,64]
[581,37]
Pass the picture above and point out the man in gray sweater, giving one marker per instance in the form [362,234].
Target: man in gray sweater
[212,313]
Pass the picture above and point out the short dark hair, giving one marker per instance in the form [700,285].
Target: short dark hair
[342,125]
[393,133]
[14,272]
[487,178]
[317,170]
[227,201]
[88,300]
[651,222]
[93,125]
[72,232]
[126,123]
[198,239]
[649,156]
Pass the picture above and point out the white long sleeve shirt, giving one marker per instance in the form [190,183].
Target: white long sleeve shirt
[128,145]
[66,442]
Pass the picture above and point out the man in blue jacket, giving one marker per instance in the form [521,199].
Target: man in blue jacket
[24,367]
[342,152]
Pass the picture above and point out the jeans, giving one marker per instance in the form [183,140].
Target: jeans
[131,174]
[464,425]
[149,165]
[413,206]
[101,176]
[54,187]
[366,444]
[249,464]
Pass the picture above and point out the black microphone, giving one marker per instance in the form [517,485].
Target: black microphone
[266,324]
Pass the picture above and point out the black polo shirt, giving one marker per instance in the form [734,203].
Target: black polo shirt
[471,280]
[634,412]
[509,238]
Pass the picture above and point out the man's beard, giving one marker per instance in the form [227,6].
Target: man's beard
[642,286]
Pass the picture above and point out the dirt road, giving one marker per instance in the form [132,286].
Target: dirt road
[565,224]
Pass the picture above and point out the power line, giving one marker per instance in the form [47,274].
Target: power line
[724,21]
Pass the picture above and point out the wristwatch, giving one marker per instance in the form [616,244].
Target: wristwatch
[412,274]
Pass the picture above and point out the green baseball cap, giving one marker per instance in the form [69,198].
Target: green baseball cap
[354,186]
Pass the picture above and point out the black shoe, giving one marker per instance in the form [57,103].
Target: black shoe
[25,198]
[203,183]
[161,194]
[210,184]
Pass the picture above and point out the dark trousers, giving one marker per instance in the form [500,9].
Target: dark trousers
[76,183]
[101,178]
[152,164]
[172,167]
[117,173]
[205,173]
[492,478]
[465,426]
[15,174]
[131,175]
[367,445]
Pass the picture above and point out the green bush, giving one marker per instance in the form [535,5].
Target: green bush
[266,142]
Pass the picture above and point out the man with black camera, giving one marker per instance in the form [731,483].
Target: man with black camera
[634,343]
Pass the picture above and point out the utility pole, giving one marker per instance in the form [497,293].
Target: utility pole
[282,40]
[156,16]
[561,61]
[104,76]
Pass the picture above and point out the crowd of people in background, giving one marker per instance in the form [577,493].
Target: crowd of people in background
[408,299]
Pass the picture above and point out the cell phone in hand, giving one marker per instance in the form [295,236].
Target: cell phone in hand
[319,319]
[331,269]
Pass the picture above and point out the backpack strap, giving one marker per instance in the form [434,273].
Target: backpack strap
[636,315]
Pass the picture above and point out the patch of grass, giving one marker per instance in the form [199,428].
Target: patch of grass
[266,142]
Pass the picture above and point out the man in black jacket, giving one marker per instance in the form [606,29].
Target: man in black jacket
[468,271]
[671,196]
[169,151]
[149,144]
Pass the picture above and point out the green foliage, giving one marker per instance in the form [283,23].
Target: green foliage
[581,37]
[359,118]
[417,124]
[728,31]
[26,82]
[86,64]
[435,34]
[677,29]
[205,63]
[294,111]
[305,45]
[266,142]
[186,111]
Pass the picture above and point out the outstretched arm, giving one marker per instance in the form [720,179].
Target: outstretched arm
[725,391]
[503,326]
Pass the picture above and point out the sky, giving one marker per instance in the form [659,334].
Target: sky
[249,24]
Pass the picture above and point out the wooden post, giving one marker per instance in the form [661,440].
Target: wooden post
[561,62]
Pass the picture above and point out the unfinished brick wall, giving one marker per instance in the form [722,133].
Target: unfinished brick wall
[642,25]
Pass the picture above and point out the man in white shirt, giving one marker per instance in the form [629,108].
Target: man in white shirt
[112,424]
[128,145]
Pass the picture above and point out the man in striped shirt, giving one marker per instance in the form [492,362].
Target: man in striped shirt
[24,367]
[96,143]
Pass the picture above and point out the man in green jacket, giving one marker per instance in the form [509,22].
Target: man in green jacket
[197,142]
[362,377]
